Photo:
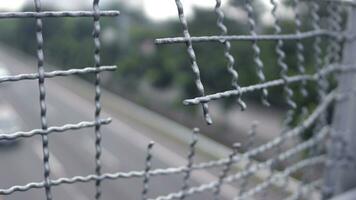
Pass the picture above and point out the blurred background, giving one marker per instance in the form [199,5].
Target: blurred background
[157,78]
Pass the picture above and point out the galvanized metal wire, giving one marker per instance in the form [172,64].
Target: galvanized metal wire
[42,75]
[237,166]
[227,53]
[43,107]
[193,59]
[257,51]
[97,63]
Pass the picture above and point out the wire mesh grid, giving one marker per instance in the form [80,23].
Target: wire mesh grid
[326,63]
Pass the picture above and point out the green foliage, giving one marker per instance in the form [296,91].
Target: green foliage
[68,43]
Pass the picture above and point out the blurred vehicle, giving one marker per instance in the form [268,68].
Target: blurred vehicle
[9,123]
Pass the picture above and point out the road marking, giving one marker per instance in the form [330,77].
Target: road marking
[58,171]
[134,137]
[109,159]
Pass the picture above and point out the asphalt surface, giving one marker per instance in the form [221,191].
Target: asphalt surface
[72,152]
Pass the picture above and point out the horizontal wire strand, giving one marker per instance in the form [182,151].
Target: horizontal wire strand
[294,36]
[57,73]
[268,84]
[43,14]
[49,130]
[205,165]
[138,174]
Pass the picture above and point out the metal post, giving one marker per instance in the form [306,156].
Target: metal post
[340,174]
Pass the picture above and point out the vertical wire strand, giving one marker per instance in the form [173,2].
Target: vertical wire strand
[332,56]
[322,84]
[256,51]
[43,107]
[248,146]
[301,69]
[286,88]
[230,59]
[225,170]
[328,59]
[337,22]
[97,63]
[281,56]
[300,48]
[146,177]
[317,46]
[306,174]
[193,60]
[190,162]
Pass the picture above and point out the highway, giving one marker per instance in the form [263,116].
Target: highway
[72,153]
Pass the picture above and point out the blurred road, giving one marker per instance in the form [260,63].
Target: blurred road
[72,153]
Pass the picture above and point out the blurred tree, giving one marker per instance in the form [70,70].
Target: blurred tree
[68,43]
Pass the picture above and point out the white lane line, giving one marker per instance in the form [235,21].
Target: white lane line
[168,156]
[137,139]
[109,159]
[58,171]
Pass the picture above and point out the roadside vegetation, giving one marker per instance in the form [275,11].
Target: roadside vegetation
[128,42]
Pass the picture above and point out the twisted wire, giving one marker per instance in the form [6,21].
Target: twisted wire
[248,145]
[56,73]
[256,51]
[283,177]
[273,83]
[336,26]
[113,176]
[146,175]
[333,160]
[297,131]
[288,171]
[323,68]
[305,189]
[333,55]
[193,60]
[53,129]
[97,63]
[288,91]
[286,88]
[232,178]
[333,49]
[262,37]
[267,37]
[316,46]
[303,181]
[190,162]
[300,48]
[7,15]
[225,170]
[322,83]
[230,59]
[281,61]
[43,107]
[330,19]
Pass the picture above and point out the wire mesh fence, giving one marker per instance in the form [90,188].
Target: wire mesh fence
[301,177]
